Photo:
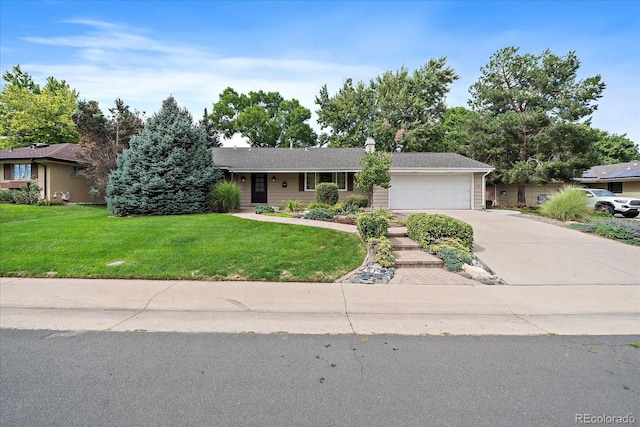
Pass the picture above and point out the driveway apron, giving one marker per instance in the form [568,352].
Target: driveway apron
[528,252]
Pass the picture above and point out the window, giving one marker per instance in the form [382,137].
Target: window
[313,178]
[21,171]
[614,187]
[76,170]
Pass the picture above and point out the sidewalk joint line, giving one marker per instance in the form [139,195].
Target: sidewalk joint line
[145,307]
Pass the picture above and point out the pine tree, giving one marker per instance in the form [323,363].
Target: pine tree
[166,170]
[213,137]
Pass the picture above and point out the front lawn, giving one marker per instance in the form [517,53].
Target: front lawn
[80,241]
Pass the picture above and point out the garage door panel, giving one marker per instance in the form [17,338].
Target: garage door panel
[422,191]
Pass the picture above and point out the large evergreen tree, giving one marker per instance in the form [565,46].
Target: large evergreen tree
[533,117]
[166,170]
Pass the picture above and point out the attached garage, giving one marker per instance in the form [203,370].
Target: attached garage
[416,191]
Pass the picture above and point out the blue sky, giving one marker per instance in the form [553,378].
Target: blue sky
[144,51]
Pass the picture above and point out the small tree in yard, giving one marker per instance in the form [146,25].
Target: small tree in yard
[166,170]
[374,173]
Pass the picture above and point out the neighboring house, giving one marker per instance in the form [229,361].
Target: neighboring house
[621,178]
[55,167]
[418,180]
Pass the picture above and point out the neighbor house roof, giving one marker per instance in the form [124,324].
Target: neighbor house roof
[618,172]
[61,152]
[332,159]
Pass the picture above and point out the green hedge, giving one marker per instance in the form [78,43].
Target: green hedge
[427,229]
[372,225]
[383,250]
[357,200]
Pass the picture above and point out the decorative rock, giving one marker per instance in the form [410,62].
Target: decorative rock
[466,275]
[475,271]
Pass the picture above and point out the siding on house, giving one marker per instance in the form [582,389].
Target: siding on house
[276,193]
[531,192]
[629,188]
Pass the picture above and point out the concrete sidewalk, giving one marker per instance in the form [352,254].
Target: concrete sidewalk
[317,308]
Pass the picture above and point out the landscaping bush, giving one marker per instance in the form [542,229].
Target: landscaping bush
[7,196]
[225,197]
[427,229]
[570,204]
[617,229]
[264,209]
[372,225]
[384,213]
[327,192]
[319,214]
[29,194]
[292,206]
[358,200]
[343,209]
[314,205]
[452,257]
[383,250]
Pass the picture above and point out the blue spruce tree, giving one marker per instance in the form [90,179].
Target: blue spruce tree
[166,170]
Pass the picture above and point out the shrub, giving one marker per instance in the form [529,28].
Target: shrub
[264,209]
[29,194]
[225,197]
[570,204]
[292,206]
[358,200]
[343,209]
[384,212]
[45,202]
[372,225]
[624,230]
[427,229]
[383,250]
[319,214]
[453,258]
[314,205]
[7,196]
[327,192]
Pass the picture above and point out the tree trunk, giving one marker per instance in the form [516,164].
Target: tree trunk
[522,201]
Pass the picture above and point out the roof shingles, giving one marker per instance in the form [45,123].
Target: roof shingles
[330,159]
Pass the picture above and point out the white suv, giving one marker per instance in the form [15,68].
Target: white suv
[603,199]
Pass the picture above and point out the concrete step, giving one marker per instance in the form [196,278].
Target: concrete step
[403,244]
[397,232]
[417,258]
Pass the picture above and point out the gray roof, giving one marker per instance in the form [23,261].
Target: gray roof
[616,171]
[330,159]
[62,152]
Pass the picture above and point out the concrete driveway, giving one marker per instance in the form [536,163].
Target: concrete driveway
[528,252]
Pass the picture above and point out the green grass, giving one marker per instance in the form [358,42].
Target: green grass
[79,241]
[634,345]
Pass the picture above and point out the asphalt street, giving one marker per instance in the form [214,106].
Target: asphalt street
[60,378]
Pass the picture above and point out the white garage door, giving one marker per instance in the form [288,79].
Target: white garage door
[419,191]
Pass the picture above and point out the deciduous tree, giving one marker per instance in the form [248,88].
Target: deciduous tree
[103,138]
[266,119]
[374,172]
[30,114]
[400,110]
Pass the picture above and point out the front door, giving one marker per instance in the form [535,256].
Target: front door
[258,188]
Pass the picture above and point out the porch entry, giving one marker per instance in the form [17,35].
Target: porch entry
[259,188]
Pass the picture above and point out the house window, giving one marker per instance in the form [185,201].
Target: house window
[338,178]
[75,170]
[21,171]
[614,187]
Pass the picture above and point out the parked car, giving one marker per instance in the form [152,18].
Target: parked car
[613,203]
